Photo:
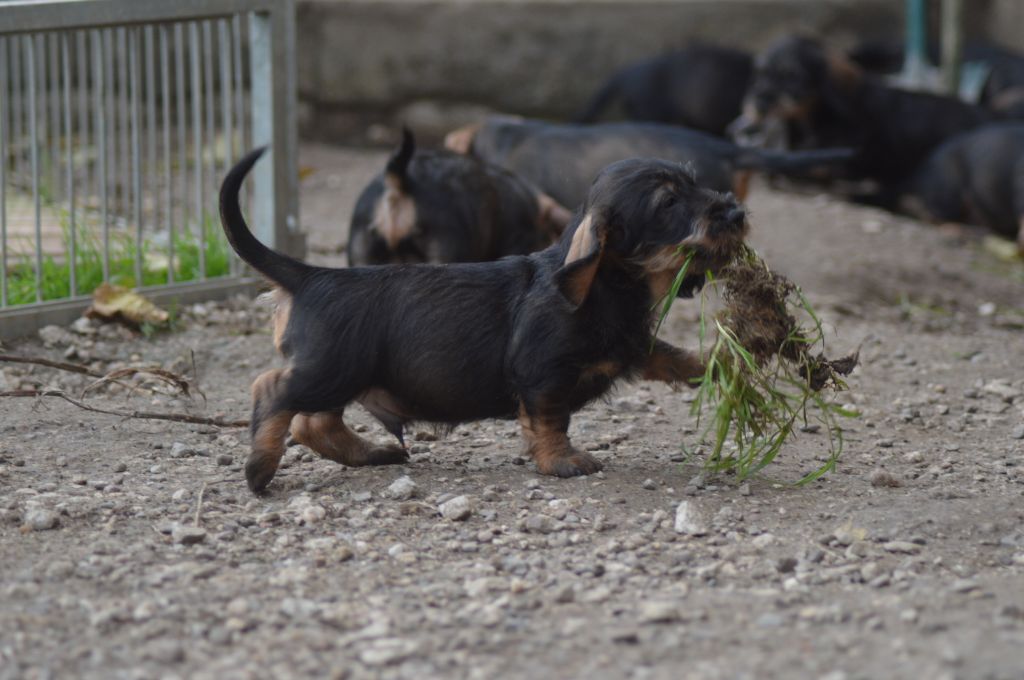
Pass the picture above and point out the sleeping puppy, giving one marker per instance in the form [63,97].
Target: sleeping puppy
[437,206]
[700,87]
[533,337]
[562,160]
[825,100]
[975,178]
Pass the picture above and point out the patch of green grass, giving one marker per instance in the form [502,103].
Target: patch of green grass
[56,276]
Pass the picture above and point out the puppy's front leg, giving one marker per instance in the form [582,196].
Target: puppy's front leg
[672,365]
[548,444]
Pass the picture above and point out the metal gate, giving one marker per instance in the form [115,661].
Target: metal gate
[118,120]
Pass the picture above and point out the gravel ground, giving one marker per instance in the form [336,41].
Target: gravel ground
[132,548]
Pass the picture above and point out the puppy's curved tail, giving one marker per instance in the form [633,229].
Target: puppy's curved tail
[398,162]
[286,272]
[601,101]
[790,161]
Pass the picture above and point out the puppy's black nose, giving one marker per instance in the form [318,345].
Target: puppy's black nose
[735,216]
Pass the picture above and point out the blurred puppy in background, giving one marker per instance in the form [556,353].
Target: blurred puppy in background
[437,206]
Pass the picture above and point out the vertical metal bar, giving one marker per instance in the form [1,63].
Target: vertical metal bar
[227,118]
[33,133]
[197,139]
[124,162]
[180,94]
[165,100]
[275,189]
[952,44]
[4,64]
[98,65]
[17,108]
[110,112]
[150,87]
[39,83]
[210,123]
[82,63]
[135,104]
[69,165]
[53,100]
[236,26]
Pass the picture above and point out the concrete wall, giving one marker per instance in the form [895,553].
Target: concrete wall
[437,63]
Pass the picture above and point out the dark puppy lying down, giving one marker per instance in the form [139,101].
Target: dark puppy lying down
[825,100]
[533,337]
[562,160]
[976,178]
[700,87]
[437,206]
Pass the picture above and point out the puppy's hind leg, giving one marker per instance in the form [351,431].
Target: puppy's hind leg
[269,426]
[327,434]
[547,441]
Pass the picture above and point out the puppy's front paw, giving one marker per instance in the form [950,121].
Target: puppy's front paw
[258,472]
[576,465]
[387,455]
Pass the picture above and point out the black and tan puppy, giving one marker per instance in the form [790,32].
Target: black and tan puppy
[531,337]
[975,178]
[562,160]
[825,100]
[700,87]
[438,206]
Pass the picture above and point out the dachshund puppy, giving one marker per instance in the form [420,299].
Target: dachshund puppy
[533,337]
[437,206]
[825,100]
[562,160]
[975,178]
[699,87]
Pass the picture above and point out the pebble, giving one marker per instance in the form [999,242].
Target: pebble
[658,611]
[688,520]
[649,484]
[188,535]
[225,459]
[1018,432]
[539,524]
[179,450]
[120,467]
[41,519]
[456,509]
[884,478]
[402,489]
[905,547]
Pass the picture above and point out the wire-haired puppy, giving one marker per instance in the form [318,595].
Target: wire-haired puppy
[530,336]
[439,206]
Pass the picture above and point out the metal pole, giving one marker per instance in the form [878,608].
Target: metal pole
[952,44]
[99,64]
[69,164]
[4,64]
[165,95]
[136,138]
[197,139]
[916,50]
[33,133]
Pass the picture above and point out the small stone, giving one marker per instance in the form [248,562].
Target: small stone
[905,547]
[762,541]
[649,484]
[225,459]
[120,467]
[745,489]
[402,489]
[914,457]
[770,620]
[658,611]
[1018,432]
[179,450]
[41,519]
[456,509]
[963,585]
[786,565]
[188,535]
[688,520]
[540,524]
[884,478]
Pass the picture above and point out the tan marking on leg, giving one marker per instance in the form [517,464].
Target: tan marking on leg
[552,218]
[548,444]
[269,429]
[327,434]
[282,313]
[461,139]
[672,365]
[602,369]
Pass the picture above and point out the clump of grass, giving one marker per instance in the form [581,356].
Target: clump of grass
[56,275]
[762,380]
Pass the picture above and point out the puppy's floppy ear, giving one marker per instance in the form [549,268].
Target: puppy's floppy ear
[461,140]
[579,268]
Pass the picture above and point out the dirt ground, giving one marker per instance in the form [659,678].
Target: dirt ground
[132,548]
